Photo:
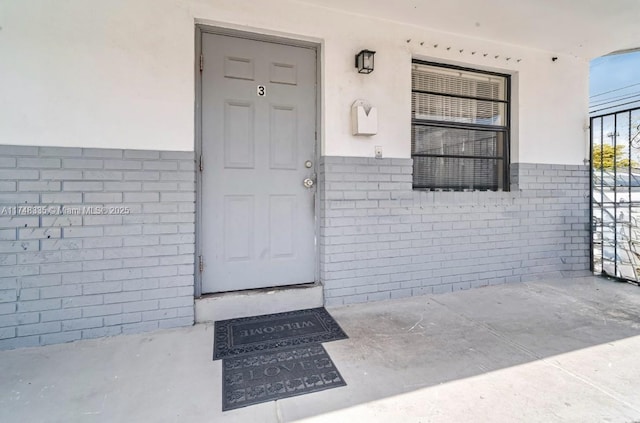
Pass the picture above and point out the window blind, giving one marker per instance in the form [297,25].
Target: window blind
[460,128]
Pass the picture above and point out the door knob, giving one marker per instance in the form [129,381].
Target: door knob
[308,183]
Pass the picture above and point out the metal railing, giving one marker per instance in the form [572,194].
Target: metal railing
[615,194]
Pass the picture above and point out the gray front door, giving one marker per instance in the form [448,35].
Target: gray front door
[257,223]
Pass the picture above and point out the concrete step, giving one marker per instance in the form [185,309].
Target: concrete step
[231,305]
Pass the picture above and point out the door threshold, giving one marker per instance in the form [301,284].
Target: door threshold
[257,290]
[253,302]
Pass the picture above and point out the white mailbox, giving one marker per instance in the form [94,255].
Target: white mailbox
[364,118]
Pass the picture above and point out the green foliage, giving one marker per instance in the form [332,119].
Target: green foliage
[604,155]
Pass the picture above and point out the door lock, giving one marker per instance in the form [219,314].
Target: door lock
[308,183]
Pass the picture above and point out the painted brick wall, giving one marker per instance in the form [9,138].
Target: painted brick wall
[75,276]
[379,239]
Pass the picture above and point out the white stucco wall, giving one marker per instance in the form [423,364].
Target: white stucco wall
[120,73]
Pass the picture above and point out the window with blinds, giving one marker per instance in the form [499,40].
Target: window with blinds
[460,128]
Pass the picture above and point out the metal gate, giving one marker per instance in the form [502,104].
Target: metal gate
[615,194]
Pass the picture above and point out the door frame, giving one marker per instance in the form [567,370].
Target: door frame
[256,36]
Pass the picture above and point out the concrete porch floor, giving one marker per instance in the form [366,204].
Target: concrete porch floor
[549,351]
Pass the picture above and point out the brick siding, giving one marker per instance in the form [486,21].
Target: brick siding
[77,276]
[379,239]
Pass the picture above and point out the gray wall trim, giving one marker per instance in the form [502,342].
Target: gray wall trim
[275,39]
[82,276]
[379,239]
[198,153]
[78,276]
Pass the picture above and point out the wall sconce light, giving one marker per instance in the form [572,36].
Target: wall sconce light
[364,61]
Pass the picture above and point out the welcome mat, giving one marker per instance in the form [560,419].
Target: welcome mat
[267,376]
[236,337]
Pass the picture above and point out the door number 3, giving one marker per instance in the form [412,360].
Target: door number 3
[262,91]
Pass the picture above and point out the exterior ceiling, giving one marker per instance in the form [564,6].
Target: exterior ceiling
[583,28]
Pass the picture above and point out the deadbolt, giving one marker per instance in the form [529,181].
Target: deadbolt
[308,164]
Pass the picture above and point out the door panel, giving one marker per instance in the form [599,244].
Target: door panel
[283,151]
[282,216]
[239,228]
[239,137]
[257,227]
